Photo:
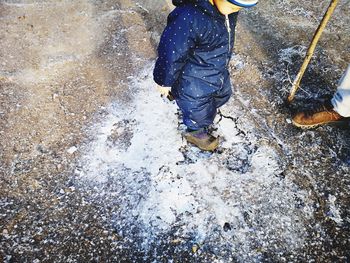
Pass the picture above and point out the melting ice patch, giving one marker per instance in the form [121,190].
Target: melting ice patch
[234,203]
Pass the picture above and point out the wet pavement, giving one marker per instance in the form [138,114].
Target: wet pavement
[93,166]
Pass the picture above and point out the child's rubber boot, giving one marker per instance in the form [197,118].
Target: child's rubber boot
[202,139]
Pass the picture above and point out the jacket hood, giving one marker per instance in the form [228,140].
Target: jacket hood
[183,2]
[204,5]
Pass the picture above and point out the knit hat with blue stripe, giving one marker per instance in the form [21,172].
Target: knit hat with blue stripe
[244,3]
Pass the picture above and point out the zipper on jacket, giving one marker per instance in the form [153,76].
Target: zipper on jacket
[227,23]
[228,28]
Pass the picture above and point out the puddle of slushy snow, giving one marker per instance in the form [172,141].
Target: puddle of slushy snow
[261,211]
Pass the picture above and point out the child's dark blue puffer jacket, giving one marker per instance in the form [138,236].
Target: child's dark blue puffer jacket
[193,56]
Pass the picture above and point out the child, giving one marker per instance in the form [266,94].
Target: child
[193,57]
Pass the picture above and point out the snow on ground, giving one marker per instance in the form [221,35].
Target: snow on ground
[235,204]
[334,211]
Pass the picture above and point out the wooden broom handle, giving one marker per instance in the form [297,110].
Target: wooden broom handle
[311,49]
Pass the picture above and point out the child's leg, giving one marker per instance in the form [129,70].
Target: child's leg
[197,114]
[341,99]
[222,96]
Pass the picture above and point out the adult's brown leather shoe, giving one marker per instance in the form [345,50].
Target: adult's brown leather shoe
[310,120]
